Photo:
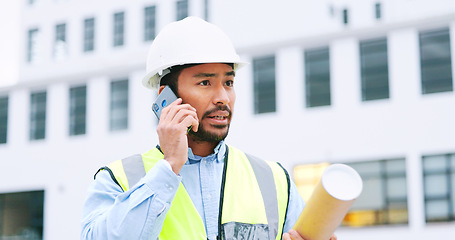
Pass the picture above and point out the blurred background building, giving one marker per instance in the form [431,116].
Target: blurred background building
[363,82]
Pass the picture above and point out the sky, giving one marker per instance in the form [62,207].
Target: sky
[9,41]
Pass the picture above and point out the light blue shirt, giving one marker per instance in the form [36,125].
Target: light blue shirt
[110,213]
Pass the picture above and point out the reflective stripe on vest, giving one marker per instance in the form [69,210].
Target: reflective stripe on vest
[254,197]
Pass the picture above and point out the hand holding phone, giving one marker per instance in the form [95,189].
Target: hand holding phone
[166,97]
[175,120]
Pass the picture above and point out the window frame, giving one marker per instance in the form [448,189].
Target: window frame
[38,115]
[89,34]
[149,23]
[122,105]
[311,82]
[182,9]
[78,111]
[265,100]
[4,112]
[32,44]
[448,173]
[429,64]
[119,29]
[369,93]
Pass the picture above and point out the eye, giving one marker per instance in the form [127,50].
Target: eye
[204,83]
[230,83]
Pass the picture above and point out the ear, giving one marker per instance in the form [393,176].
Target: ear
[161,89]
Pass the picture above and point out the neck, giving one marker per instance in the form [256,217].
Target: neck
[201,148]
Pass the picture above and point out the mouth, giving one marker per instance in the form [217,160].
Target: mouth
[218,117]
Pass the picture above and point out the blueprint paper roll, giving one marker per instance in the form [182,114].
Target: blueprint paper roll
[337,190]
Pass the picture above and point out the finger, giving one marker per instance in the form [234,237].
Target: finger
[295,235]
[168,113]
[286,236]
[165,111]
[190,121]
[181,114]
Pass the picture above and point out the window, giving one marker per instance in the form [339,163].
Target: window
[3,119]
[32,45]
[306,178]
[23,212]
[377,10]
[264,85]
[78,105]
[384,196]
[149,23]
[374,69]
[435,61]
[345,17]
[60,48]
[439,187]
[38,115]
[119,105]
[89,34]
[206,9]
[317,77]
[119,28]
[182,9]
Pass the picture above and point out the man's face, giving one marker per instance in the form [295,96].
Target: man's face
[210,89]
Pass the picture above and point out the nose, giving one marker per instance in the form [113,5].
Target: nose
[220,96]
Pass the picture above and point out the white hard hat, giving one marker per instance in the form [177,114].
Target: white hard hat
[189,41]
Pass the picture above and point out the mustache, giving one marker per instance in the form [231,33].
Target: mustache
[218,108]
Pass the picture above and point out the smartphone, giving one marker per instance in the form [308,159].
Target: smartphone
[166,97]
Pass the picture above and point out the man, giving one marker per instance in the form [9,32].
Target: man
[216,191]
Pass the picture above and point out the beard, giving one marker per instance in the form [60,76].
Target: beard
[204,135]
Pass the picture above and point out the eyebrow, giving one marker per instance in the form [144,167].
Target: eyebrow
[205,75]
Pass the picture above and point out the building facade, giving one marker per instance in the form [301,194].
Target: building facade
[363,82]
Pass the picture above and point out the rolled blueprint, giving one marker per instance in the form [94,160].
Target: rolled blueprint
[337,190]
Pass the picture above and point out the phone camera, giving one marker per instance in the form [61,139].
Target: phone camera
[163,103]
[155,107]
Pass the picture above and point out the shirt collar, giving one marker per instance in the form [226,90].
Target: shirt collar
[218,153]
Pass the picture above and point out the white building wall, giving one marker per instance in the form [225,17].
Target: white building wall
[407,125]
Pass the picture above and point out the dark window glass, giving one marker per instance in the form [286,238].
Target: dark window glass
[60,41]
[3,119]
[78,108]
[119,28]
[384,196]
[60,32]
[345,17]
[182,9]
[119,105]
[38,115]
[374,69]
[206,9]
[377,10]
[264,85]
[149,23]
[439,187]
[22,215]
[32,45]
[89,34]
[317,77]
[435,61]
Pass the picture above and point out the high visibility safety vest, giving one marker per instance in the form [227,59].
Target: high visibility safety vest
[253,200]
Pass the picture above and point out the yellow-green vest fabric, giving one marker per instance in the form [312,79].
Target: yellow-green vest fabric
[245,212]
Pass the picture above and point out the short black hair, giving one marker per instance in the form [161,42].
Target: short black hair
[171,78]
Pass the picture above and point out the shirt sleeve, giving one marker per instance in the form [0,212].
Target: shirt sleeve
[111,213]
[295,207]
